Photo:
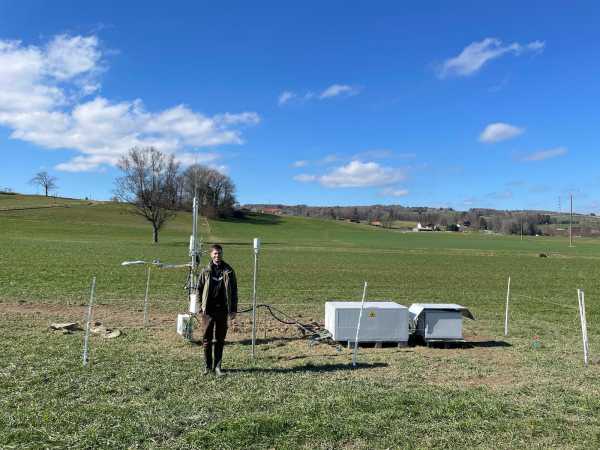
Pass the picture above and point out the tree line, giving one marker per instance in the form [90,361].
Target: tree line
[156,186]
[499,221]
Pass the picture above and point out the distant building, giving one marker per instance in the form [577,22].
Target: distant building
[420,227]
[274,211]
[376,223]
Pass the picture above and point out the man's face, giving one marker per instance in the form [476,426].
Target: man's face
[216,256]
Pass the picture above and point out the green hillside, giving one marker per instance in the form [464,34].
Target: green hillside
[62,248]
[143,389]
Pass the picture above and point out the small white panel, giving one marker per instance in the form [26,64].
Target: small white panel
[443,324]
[182,320]
[194,306]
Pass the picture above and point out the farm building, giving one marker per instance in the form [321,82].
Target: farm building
[420,227]
[274,211]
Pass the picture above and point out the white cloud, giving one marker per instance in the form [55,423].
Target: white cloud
[357,174]
[189,158]
[391,192]
[545,154]
[329,159]
[335,90]
[338,89]
[475,55]
[285,97]
[43,101]
[305,178]
[84,163]
[496,132]
[301,163]
[67,57]
[383,154]
[245,118]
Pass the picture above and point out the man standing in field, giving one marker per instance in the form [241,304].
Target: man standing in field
[217,287]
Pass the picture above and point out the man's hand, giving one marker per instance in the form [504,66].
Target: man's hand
[232,316]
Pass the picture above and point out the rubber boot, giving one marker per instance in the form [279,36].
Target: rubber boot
[208,357]
[218,357]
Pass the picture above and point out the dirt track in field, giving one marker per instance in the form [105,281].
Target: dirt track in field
[118,316]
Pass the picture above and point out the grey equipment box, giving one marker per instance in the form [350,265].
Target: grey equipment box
[381,321]
[438,321]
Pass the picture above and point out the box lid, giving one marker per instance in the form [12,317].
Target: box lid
[370,305]
[417,308]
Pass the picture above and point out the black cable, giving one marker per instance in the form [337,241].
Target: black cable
[311,329]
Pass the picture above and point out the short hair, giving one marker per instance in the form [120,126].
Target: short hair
[216,247]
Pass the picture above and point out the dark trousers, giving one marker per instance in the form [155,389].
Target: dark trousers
[214,327]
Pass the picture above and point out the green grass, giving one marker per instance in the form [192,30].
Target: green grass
[143,390]
[19,201]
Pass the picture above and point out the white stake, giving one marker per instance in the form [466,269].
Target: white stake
[587,341]
[362,305]
[582,318]
[256,245]
[146,298]
[87,327]
[506,311]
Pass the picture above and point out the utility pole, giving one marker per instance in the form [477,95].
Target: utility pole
[559,205]
[521,226]
[571,223]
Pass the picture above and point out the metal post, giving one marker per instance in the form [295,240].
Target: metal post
[571,223]
[506,311]
[362,305]
[256,249]
[146,297]
[521,226]
[87,327]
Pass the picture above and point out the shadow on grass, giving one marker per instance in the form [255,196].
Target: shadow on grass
[253,219]
[259,341]
[308,368]
[467,345]
[488,344]
[224,243]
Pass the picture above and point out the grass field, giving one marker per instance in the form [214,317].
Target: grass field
[143,390]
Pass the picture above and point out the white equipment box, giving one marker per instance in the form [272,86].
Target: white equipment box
[439,321]
[182,322]
[381,321]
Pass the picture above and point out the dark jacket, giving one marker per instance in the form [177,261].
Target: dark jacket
[229,280]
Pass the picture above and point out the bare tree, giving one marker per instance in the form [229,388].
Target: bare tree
[45,181]
[149,183]
[215,190]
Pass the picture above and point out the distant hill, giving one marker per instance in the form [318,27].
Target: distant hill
[528,222]
[14,201]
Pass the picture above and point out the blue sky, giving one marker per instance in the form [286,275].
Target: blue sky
[432,103]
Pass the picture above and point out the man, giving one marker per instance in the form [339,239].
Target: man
[217,287]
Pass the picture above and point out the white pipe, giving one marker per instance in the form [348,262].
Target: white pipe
[89,320]
[506,310]
[256,249]
[146,297]
[587,342]
[581,301]
[362,305]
